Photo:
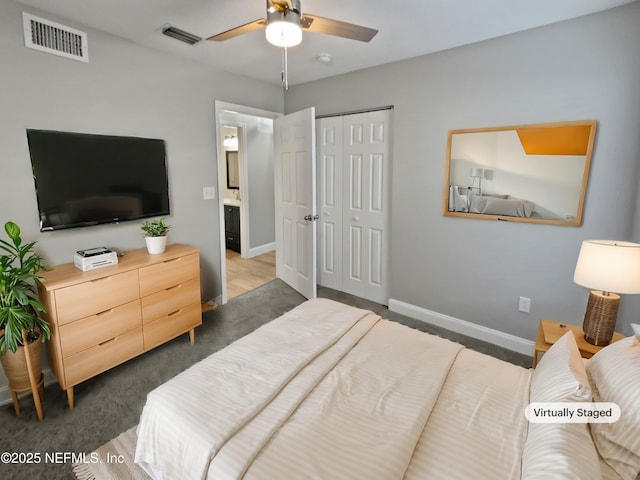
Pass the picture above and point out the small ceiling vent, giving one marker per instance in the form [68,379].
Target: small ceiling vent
[47,36]
[186,37]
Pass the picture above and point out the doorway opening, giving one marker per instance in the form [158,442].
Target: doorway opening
[246,206]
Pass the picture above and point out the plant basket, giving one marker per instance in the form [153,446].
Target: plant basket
[15,365]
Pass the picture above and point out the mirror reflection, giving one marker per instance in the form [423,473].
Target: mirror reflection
[526,173]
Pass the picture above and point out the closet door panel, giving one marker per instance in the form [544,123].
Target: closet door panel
[367,148]
[330,264]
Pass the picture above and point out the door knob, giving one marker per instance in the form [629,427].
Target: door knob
[355,219]
[310,218]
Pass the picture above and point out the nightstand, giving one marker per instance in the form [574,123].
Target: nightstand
[550,331]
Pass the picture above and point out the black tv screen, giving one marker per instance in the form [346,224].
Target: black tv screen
[86,179]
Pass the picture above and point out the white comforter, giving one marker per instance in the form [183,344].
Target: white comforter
[331,391]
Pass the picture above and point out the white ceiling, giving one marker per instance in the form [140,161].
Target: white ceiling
[406,29]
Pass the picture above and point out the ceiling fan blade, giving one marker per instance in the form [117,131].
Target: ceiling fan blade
[234,32]
[314,23]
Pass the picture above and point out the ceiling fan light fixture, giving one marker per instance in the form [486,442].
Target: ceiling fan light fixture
[283,29]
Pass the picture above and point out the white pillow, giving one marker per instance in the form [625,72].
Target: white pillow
[614,373]
[560,375]
[636,329]
[560,450]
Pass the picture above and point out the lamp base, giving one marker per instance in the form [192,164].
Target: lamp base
[600,317]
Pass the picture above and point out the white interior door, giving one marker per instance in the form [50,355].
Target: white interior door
[295,189]
[366,179]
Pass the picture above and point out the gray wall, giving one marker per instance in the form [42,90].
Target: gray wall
[262,216]
[261,182]
[124,89]
[475,270]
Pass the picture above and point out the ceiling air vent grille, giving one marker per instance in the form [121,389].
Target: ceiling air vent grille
[186,37]
[47,36]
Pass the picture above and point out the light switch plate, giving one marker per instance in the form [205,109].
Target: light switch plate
[208,193]
[524,305]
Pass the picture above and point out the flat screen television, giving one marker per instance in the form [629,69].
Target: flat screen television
[85,179]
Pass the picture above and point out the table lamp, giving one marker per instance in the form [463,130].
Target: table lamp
[476,173]
[606,266]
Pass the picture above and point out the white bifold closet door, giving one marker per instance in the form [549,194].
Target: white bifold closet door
[354,169]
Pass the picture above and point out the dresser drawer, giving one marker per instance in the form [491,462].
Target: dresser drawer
[170,300]
[101,357]
[171,325]
[90,331]
[167,274]
[88,298]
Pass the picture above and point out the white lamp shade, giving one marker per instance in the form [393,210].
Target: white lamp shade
[283,33]
[609,265]
[476,172]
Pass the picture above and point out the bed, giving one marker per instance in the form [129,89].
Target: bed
[466,200]
[332,391]
[497,205]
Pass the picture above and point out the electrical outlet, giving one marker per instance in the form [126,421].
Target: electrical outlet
[208,193]
[524,305]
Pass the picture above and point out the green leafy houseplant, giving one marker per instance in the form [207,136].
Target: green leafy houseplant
[155,235]
[19,307]
[155,228]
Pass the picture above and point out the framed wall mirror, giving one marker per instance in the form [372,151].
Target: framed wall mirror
[523,173]
[233,173]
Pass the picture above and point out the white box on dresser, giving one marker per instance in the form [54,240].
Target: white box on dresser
[95,261]
[103,317]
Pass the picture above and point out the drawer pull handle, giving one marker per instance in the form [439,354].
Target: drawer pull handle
[100,279]
[174,287]
[103,313]
[173,260]
[107,341]
[174,313]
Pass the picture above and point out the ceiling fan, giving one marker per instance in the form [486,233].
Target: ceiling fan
[285,22]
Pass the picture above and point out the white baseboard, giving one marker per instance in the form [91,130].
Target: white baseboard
[5,394]
[496,337]
[267,247]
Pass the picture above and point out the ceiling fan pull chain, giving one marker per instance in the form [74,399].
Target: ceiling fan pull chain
[282,74]
[286,68]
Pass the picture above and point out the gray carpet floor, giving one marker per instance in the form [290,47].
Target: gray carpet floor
[112,402]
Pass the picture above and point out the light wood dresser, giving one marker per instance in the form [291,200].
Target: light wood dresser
[104,317]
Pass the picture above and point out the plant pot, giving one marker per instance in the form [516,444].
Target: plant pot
[15,366]
[156,245]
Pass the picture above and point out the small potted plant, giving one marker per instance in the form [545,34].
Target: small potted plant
[19,307]
[155,235]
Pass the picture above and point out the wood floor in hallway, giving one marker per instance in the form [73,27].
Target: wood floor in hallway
[244,274]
